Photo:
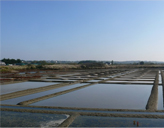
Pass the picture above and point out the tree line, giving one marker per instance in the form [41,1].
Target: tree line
[11,61]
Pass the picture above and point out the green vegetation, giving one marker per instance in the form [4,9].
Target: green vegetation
[11,61]
[14,68]
[141,63]
[91,64]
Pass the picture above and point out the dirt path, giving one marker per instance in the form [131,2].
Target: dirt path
[162,75]
[153,99]
[69,121]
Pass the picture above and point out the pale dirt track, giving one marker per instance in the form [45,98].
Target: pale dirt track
[153,99]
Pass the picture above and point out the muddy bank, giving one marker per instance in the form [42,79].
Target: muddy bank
[85,113]
[162,75]
[122,115]
[69,120]
[12,82]
[36,111]
[153,99]
[91,109]
[74,115]
[110,82]
[52,95]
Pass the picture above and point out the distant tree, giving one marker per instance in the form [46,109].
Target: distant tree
[87,62]
[19,61]
[11,61]
[43,62]
[91,64]
[112,62]
[141,63]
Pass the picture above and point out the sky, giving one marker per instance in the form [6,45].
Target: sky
[83,30]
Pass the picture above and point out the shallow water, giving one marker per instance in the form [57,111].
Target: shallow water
[124,79]
[94,81]
[160,79]
[25,119]
[137,82]
[149,82]
[142,79]
[23,86]
[104,78]
[93,121]
[14,101]
[119,81]
[112,96]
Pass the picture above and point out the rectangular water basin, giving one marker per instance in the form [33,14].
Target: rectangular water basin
[26,119]
[102,78]
[9,88]
[112,96]
[36,95]
[93,81]
[94,121]
[146,82]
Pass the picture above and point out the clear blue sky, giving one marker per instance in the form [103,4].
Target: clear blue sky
[82,30]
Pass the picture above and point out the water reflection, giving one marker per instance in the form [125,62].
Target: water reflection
[22,86]
[93,121]
[114,96]
[36,95]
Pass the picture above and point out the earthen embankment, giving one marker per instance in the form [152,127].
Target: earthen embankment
[68,121]
[162,75]
[153,99]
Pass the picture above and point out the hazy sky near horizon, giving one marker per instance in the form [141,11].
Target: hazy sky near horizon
[82,30]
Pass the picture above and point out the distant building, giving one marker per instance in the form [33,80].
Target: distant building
[10,64]
[2,63]
[108,63]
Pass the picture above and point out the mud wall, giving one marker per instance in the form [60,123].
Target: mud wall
[153,99]
[162,75]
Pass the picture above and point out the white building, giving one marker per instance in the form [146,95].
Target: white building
[2,63]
